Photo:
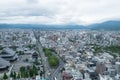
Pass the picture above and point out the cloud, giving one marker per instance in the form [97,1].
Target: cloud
[32,1]
[58,12]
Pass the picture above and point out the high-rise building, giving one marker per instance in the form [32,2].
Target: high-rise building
[117,67]
[100,68]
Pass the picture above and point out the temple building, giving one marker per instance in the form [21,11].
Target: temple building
[8,54]
[4,64]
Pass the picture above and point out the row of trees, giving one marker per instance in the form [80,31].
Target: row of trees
[24,72]
[12,75]
[52,59]
[111,49]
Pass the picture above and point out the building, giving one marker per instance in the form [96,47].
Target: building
[66,76]
[35,55]
[100,68]
[8,54]
[117,67]
[4,64]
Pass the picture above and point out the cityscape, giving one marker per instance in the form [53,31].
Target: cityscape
[59,54]
[59,39]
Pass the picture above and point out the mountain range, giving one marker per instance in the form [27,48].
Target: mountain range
[109,25]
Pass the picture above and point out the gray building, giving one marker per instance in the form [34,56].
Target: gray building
[117,67]
[100,68]
[8,54]
[4,64]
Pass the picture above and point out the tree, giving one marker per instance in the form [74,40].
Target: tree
[14,76]
[26,74]
[35,71]
[11,74]
[5,76]
[26,59]
[18,76]
[36,62]
[31,73]
[63,69]
[53,61]
[22,69]
[41,73]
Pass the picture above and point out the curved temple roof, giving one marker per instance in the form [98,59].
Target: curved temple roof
[4,63]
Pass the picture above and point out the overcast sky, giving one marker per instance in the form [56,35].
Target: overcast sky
[59,11]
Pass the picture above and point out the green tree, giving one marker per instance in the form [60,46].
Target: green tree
[14,75]
[18,76]
[31,73]
[26,74]
[63,69]
[53,61]
[36,62]
[11,74]
[5,76]
[22,69]
[26,59]
[35,70]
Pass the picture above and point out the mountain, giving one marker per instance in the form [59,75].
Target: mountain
[109,25]
[40,26]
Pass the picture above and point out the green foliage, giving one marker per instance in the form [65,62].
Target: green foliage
[11,74]
[47,52]
[63,69]
[5,76]
[111,49]
[52,59]
[14,75]
[36,62]
[25,73]
[22,69]
[35,70]
[26,59]
[31,72]
[18,76]
[114,49]
[98,49]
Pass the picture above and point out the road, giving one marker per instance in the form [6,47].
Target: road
[44,61]
[56,73]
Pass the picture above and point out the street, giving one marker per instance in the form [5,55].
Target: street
[47,69]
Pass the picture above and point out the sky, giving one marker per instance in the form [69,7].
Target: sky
[81,12]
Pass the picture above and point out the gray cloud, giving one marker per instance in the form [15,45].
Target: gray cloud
[58,12]
[32,1]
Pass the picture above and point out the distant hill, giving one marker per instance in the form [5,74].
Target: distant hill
[38,26]
[109,25]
